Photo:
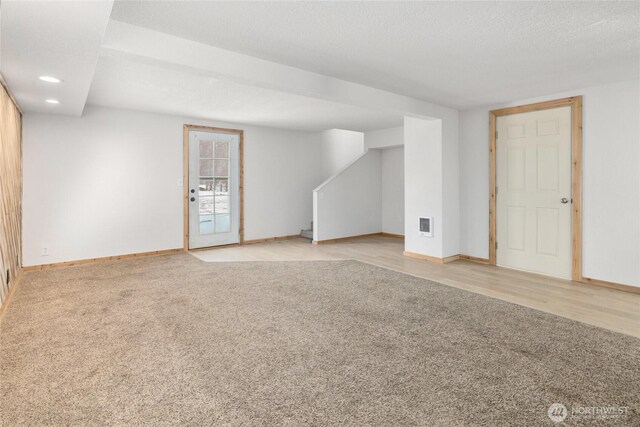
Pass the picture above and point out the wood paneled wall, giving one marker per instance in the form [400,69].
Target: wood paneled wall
[10,192]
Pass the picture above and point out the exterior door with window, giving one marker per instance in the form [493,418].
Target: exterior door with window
[214,188]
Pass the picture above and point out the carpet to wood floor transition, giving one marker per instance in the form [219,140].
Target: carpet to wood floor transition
[172,340]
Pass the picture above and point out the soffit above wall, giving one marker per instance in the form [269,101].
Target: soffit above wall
[60,39]
[127,82]
[460,54]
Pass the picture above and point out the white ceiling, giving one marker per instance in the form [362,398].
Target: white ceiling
[68,40]
[184,58]
[126,82]
[60,39]
[460,54]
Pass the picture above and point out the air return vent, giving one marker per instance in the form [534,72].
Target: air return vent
[426,226]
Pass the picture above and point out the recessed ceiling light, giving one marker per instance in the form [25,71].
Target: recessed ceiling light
[53,101]
[49,79]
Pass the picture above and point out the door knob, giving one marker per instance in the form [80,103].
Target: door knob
[193,199]
[564,200]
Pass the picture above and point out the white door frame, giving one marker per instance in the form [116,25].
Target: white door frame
[185,177]
[576,175]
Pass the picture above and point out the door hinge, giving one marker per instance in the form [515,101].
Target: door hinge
[496,134]
[496,190]
[496,245]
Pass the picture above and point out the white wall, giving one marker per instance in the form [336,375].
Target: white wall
[423,184]
[339,148]
[110,183]
[350,202]
[393,190]
[451,187]
[391,137]
[391,141]
[611,180]
[431,180]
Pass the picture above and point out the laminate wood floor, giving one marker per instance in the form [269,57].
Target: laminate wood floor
[608,308]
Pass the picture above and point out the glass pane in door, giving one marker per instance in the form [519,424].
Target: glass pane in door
[206,205]
[221,206]
[222,149]
[222,223]
[221,167]
[205,147]
[206,200]
[206,167]
[222,186]
[205,189]
[213,193]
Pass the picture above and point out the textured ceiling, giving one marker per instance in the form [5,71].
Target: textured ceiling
[200,58]
[459,54]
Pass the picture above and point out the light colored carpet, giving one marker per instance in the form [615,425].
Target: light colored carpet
[173,340]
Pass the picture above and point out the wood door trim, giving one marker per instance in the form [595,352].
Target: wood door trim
[185,177]
[575,102]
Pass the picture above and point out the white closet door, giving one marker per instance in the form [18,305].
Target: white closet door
[534,191]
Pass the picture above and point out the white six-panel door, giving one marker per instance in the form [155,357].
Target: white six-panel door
[533,179]
[214,188]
